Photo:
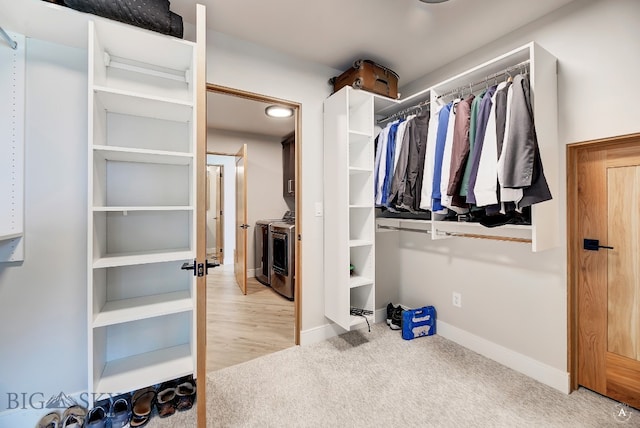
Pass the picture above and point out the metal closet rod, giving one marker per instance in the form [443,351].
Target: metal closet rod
[459,234]
[12,43]
[507,71]
[405,111]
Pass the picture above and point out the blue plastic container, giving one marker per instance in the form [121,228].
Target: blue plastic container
[418,322]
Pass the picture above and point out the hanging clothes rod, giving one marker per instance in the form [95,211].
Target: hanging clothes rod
[407,229]
[12,43]
[507,71]
[405,111]
[457,234]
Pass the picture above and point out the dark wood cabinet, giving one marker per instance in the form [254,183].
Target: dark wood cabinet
[289,166]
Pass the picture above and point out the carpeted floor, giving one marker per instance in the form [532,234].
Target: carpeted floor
[379,380]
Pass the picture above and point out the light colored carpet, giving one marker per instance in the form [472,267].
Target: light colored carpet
[378,379]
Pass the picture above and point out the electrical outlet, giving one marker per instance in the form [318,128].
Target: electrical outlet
[457,299]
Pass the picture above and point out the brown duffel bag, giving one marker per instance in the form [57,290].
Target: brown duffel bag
[368,75]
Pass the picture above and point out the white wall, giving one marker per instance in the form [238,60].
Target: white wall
[512,297]
[263,178]
[229,203]
[43,328]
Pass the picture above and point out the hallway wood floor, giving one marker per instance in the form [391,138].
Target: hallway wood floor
[241,328]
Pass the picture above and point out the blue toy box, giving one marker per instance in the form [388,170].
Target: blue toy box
[418,322]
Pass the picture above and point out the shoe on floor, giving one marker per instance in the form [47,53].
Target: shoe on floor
[396,318]
[50,420]
[73,417]
[120,413]
[97,418]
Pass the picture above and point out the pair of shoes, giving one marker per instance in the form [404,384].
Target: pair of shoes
[97,418]
[141,406]
[394,316]
[72,417]
[50,420]
[120,414]
[185,393]
[166,399]
[110,414]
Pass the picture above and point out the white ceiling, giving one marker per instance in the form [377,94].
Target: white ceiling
[408,36]
[236,114]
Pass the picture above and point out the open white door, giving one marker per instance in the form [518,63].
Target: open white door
[240,258]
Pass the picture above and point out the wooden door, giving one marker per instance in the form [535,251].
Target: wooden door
[607,208]
[240,259]
[214,213]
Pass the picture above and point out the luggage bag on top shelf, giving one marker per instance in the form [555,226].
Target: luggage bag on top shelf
[368,75]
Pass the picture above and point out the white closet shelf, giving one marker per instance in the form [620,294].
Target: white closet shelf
[124,154]
[10,236]
[359,281]
[151,208]
[359,170]
[359,136]
[138,308]
[363,206]
[137,104]
[357,320]
[137,371]
[360,242]
[128,259]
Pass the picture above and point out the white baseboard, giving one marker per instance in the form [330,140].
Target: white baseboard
[327,331]
[541,372]
[251,273]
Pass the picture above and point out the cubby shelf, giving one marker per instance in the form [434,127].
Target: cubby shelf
[359,281]
[137,308]
[128,259]
[145,369]
[123,154]
[139,104]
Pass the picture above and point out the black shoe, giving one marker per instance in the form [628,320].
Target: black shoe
[396,318]
[390,309]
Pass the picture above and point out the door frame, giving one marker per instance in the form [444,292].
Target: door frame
[297,111]
[573,244]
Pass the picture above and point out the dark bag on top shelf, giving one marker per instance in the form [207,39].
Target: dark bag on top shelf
[152,15]
[367,75]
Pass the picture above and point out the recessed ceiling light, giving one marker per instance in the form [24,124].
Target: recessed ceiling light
[433,1]
[278,111]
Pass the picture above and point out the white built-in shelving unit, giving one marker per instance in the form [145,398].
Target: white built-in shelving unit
[544,229]
[141,220]
[349,222]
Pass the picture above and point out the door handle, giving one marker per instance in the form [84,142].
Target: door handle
[594,245]
[290,186]
[244,226]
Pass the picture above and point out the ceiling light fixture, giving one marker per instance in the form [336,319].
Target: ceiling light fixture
[278,111]
[433,1]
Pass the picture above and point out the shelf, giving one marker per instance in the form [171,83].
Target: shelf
[127,209]
[137,371]
[128,259]
[361,206]
[358,170]
[360,242]
[125,310]
[10,236]
[123,154]
[357,320]
[33,18]
[359,137]
[359,281]
[136,104]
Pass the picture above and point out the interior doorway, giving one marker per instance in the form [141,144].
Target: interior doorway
[230,125]
[603,191]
